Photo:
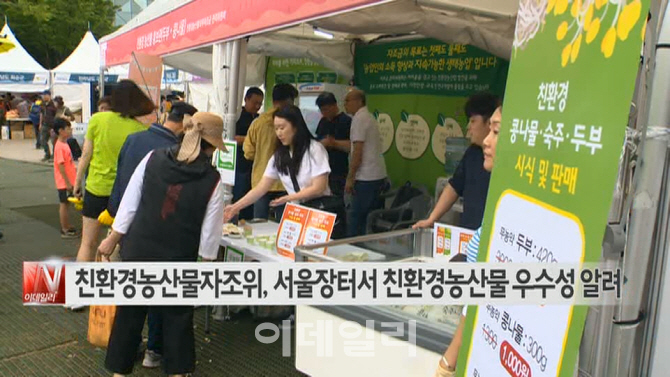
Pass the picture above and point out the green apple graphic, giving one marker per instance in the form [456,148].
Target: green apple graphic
[446,128]
[386,129]
[412,136]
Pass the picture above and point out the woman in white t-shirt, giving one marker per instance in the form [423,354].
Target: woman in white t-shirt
[299,162]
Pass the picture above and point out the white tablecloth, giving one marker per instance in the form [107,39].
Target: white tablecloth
[254,251]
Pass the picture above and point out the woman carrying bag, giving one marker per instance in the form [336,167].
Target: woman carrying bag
[171,211]
[299,162]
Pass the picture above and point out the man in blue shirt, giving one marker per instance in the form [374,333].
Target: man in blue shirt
[471,180]
[136,147]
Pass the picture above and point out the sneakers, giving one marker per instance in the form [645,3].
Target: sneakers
[151,359]
[68,234]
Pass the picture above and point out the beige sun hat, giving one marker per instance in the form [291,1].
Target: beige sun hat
[201,125]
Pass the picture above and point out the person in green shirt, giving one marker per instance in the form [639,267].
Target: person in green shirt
[107,131]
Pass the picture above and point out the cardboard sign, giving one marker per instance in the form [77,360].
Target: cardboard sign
[450,240]
[303,226]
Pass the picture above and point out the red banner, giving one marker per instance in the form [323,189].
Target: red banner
[147,72]
[201,22]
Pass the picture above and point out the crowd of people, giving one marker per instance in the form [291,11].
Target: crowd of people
[149,170]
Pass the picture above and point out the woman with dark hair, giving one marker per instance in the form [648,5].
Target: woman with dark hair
[106,133]
[299,162]
[63,111]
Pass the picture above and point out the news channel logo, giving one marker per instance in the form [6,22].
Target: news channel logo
[44,282]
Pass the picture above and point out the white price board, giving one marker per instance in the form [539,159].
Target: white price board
[525,340]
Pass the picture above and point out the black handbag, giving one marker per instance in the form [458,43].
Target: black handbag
[326,203]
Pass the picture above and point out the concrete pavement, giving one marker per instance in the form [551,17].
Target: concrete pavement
[51,341]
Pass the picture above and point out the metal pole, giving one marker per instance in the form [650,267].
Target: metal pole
[233,80]
[643,218]
[101,82]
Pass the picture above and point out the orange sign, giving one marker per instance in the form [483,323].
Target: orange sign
[450,240]
[147,72]
[303,226]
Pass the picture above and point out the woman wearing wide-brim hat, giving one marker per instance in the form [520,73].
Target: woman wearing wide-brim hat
[172,211]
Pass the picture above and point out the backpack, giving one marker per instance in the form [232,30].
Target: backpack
[75,149]
[35,111]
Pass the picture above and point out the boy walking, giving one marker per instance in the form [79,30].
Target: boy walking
[64,174]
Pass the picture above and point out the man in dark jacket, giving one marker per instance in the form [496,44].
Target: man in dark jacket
[46,123]
[253,101]
[136,147]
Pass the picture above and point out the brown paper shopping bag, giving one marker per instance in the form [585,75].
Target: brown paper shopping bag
[100,322]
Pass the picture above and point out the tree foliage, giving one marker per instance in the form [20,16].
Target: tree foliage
[51,29]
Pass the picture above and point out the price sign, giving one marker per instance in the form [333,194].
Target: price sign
[450,240]
[303,226]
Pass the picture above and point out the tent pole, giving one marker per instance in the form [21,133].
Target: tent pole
[644,229]
[233,82]
[101,82]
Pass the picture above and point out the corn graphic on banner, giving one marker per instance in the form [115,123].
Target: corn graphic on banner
[570,83]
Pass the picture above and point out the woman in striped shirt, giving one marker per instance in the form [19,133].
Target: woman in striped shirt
[447,365]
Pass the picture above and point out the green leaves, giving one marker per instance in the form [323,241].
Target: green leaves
[404,116]
[51,29]
[441,119]
[376,114]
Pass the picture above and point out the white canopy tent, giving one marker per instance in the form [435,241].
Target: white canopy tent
[19,72]
[83,64]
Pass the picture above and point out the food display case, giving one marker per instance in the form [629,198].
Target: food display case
[435,325]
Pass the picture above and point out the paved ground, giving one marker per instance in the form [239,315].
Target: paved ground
[42,341]
[20,150]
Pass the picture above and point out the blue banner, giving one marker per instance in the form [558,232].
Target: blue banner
[22,78]
[171,76]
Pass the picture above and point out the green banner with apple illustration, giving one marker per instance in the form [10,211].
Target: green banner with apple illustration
[416,90]
[571,81]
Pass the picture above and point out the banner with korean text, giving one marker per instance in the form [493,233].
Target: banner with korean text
[417,90]
[201,22]
[346,283]
[571,80]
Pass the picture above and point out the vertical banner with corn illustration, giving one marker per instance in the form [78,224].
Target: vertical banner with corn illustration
[570,83]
